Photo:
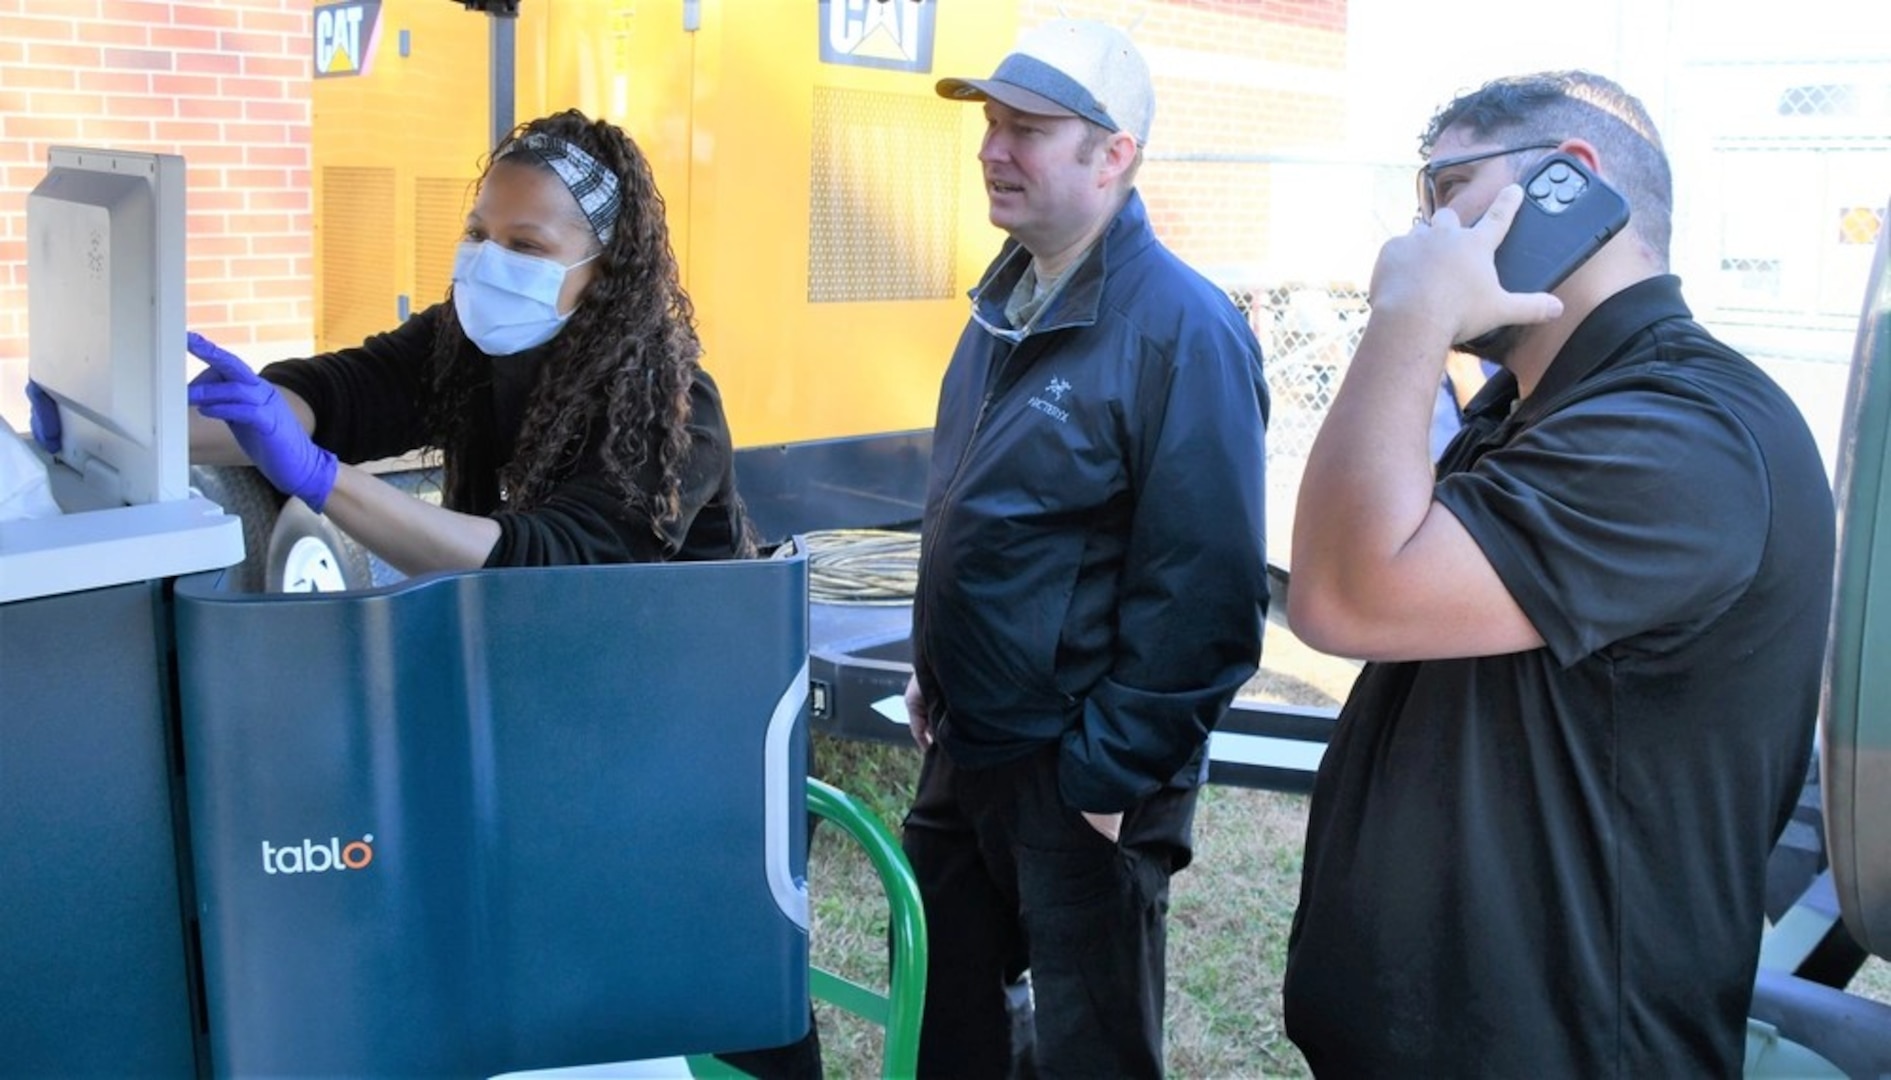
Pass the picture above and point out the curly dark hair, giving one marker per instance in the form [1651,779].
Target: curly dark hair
[619,373]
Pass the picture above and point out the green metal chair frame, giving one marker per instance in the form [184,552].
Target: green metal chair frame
[899,1008]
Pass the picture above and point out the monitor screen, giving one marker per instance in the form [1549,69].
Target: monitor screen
[105,319]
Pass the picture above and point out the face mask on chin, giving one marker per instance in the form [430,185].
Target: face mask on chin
[508,302]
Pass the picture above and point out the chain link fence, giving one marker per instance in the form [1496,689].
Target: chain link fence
[1779,203]
[1292,241]
[1307,335]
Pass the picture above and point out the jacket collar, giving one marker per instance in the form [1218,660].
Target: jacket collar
[1078,300]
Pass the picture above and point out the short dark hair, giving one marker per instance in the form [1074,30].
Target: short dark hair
[1554,105]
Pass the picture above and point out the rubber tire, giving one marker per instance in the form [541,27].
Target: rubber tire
[307,553]
[242,491]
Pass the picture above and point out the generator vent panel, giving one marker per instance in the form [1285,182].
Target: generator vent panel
[359,288]
[440,206]
[884,196]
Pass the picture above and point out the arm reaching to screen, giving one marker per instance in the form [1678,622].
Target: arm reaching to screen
[271,427]
[263,423]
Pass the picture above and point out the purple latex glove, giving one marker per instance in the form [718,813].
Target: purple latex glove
[48,431]
[263,423]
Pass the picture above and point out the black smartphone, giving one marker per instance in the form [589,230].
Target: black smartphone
[1568,213]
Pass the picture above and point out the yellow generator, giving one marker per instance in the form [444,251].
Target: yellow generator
[825,205]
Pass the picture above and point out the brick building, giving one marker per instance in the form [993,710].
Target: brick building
[227,84]
[224,83]
[1237,83]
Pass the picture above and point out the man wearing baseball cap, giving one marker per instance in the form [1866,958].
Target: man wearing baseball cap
[1092,584]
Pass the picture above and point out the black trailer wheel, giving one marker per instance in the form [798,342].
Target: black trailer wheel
[242,491]
[307,553]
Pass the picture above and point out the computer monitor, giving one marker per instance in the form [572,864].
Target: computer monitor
[105,336]
[105,322]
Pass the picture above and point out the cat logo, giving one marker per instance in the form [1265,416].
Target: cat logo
[345,36]
[893,34]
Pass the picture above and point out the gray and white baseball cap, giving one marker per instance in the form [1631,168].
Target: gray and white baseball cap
[1070,67]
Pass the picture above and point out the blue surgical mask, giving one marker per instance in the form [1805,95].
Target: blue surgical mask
[508,302]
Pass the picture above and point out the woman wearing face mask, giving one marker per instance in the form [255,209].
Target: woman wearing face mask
[559,382]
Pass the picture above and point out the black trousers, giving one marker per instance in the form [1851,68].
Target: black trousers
[1013,879]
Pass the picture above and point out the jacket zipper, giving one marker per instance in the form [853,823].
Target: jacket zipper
[971,440]
[992,385]
[945,498]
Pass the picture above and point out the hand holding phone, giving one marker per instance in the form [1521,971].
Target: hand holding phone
[1568,213]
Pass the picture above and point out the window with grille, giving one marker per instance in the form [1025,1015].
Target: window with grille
[1828,99]
[1753,275]
[1859,225]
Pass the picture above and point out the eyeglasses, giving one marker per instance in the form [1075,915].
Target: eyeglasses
[1428,173]
[1003,333]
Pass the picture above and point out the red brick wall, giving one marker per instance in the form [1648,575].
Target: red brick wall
[1317,14]
[225,83]
[1241,82]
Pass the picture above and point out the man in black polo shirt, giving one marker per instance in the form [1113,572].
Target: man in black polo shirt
[1538,839]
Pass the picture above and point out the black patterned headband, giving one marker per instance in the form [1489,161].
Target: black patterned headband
[594,186]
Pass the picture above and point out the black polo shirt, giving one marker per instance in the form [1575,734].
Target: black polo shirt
[1551,862]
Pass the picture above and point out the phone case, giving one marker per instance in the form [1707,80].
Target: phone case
[1568,213]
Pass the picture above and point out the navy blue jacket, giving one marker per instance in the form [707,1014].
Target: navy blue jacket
[1093,566]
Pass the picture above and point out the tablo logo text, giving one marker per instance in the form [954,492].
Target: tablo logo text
[345,36]
[313,857]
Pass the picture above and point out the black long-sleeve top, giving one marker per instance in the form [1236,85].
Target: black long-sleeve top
[370,403]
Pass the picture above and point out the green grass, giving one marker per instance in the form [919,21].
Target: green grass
[847,903]
[1228,920]
[1229,912]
